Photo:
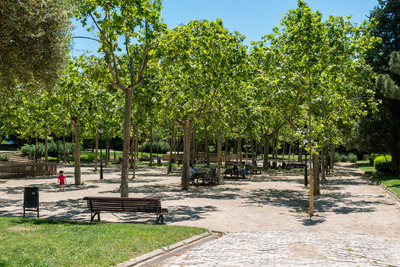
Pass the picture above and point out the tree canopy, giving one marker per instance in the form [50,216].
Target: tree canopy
[34,42]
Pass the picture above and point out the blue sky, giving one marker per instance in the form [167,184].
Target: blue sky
[252,18]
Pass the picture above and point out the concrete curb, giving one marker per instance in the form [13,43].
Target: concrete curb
[167,252]
[393,195]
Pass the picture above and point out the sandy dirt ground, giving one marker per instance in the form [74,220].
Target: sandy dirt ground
[275,200]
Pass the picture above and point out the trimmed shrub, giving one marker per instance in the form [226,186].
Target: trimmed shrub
[343,158]
[382,163]
[3,157]
[352,157]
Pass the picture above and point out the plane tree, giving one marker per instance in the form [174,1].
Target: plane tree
[308,58]
[196,60]
[126,32]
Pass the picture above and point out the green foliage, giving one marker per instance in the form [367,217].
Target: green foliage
[352,157]
[338,157]
[382,163]
[34,42]
[342,157]
[372,158]
[385,83]
[29,150]
[37,242]
[52,148]
[158,147]
[3,157]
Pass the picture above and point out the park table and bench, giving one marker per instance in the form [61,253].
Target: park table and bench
[125,204]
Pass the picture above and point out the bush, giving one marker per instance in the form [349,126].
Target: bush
[158,147]
[3,157]
[352,157]
[337,156]
[382,163]
[343,158]
[52,149]
[372,158]
[29,150]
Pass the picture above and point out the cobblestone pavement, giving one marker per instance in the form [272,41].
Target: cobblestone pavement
[292,248]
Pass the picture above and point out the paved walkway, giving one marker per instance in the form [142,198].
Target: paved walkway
[292,248]
[265,216]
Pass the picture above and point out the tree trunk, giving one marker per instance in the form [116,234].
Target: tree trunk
[239,150]
[46,151]
[395,167]
[151,146]
[219,151]
[290,150]
[171,149]
[253,156]
[207,150]
[267,139]
[125,152]
[276,149]
[333,147]
[300,154]
[64,153]
[36,145]
[193,144]
[186,155]
[135,153]
[323,178]
[315,161]
[132,148]
[96,151]
[77,154]
[107,150]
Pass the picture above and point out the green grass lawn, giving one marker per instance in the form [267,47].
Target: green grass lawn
[39,242]
[390,182]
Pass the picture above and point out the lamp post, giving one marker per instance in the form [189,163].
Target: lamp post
[305,152]
[100,130]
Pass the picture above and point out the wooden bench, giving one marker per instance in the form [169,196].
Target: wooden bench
[125,204]
[252,170]
[295,166]
[232,173]
[203,178]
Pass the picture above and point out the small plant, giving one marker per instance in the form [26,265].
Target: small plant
[343,158]
[382,163]
[3,157]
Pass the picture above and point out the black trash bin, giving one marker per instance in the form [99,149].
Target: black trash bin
[31,199]
[159,161]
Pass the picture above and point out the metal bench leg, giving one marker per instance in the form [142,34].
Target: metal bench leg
[94,215]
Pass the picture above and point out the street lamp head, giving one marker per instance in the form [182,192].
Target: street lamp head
[100,129]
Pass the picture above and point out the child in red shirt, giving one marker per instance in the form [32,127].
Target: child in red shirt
[62,180]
